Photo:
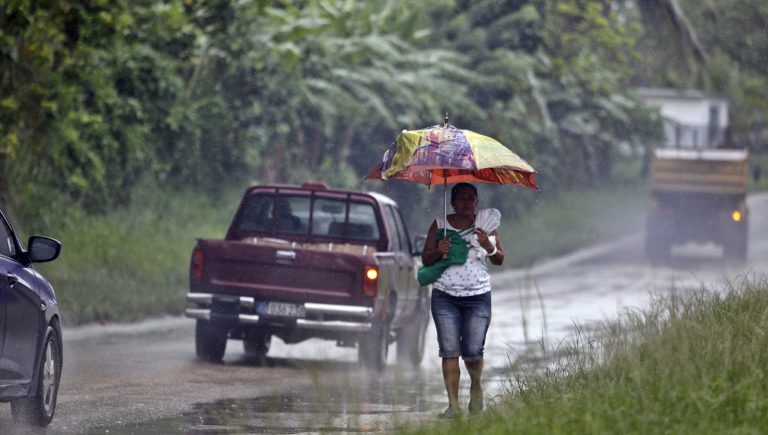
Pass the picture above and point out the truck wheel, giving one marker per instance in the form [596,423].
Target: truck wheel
[210,341]
[373,349]
[38,408]
[656,248]
[411,341]
[736,248]
[256,344]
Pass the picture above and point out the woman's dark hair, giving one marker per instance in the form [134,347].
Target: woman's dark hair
[455,189]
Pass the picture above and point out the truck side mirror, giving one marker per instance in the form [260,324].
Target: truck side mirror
[756,173]
[418,244]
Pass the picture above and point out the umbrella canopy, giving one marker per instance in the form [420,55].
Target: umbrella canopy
[445,154]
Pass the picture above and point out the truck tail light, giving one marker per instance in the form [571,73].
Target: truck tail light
[371,281]
[196,266]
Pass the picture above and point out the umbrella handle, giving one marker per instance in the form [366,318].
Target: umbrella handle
[445,200]
[445,237]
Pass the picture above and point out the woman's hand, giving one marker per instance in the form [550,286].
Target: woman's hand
[443,246]
[482,238]
[434,249]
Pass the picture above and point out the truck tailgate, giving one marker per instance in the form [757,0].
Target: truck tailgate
[284,273]
[706,171]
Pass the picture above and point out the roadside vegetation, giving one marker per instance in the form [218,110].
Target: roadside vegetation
[693,362]
[758,166]
[131,263]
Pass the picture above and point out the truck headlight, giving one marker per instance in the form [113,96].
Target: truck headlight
[736,216]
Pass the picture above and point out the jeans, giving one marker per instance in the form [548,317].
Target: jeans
[461,324]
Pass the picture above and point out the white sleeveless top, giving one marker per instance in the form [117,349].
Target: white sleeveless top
[470,278]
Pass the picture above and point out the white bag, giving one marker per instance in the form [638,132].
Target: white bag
[488,219]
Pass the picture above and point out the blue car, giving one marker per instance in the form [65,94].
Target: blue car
[30,331]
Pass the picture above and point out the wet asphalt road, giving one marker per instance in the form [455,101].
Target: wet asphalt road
[144,378]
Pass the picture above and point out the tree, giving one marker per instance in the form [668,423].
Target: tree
[734,32]
[555,76]
[312,86]
[82,94]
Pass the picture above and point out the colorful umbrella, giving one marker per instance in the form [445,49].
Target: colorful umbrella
[444,154]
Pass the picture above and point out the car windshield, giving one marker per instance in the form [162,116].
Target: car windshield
[325,217]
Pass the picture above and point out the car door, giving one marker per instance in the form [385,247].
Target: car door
[21,313]
[7,250]
[411,263]
[3,278]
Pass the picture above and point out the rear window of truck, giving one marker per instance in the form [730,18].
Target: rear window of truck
[325,217]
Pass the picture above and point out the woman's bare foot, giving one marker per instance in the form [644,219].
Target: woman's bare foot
[475,399]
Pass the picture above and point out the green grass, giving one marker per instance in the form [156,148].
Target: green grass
[758,161]
[132,263]
[694,362]
[561,224]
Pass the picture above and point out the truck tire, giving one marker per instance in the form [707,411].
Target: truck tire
[210,341]
[373,349]
[411,341]
[256,344]
[656,245]
[736,247]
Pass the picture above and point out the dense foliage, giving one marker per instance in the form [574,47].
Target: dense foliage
[729,59]
[96,96]
[736,35]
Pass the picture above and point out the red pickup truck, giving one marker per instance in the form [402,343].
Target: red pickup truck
[302,262]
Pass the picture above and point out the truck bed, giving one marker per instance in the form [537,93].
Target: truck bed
[700,171]
[287,271]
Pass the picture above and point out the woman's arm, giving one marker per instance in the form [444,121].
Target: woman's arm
[483,238]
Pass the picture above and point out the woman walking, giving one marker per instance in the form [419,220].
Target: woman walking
[461,296]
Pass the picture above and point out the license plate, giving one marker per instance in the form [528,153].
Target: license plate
[284,309]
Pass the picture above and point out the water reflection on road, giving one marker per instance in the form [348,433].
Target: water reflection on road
[343,399]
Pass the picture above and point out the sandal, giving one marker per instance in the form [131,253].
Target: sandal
[448,414]
[476,406]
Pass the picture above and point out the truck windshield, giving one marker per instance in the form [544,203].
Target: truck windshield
[284,214]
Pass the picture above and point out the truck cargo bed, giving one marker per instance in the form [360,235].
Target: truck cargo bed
[286,271]
[715,171]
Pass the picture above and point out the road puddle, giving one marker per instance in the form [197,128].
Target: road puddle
[348,405]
